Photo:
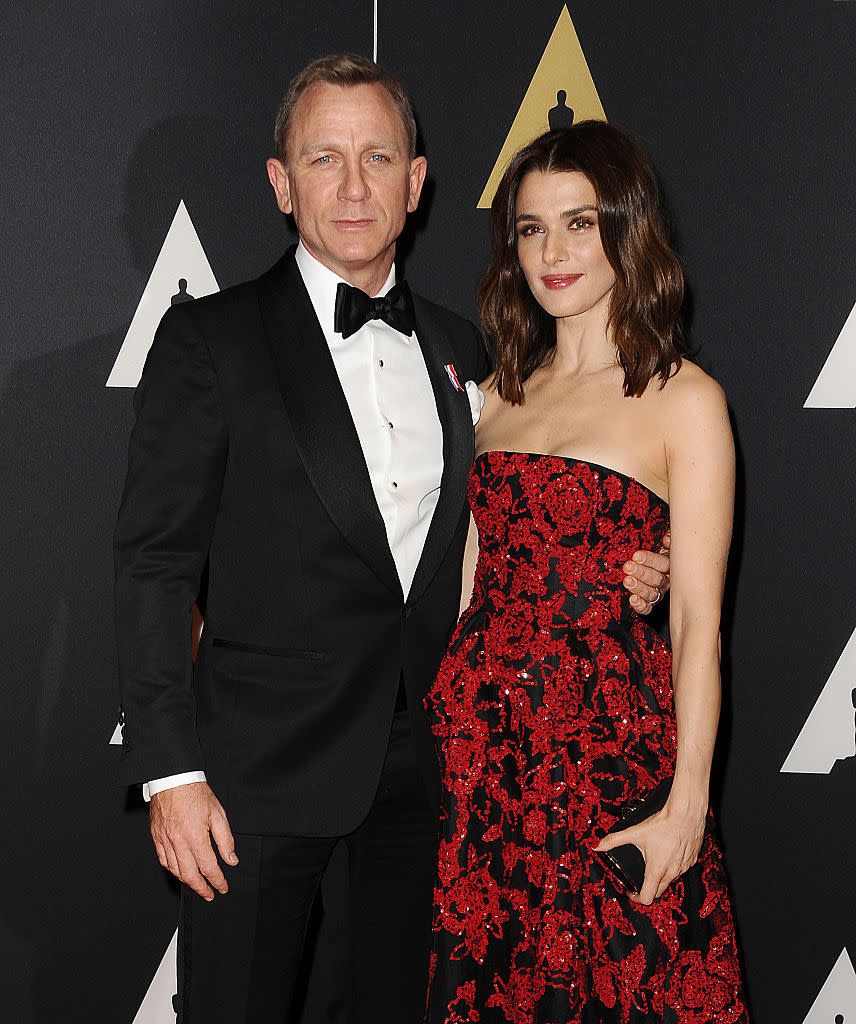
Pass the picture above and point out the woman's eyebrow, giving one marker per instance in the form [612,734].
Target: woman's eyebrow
[565,213]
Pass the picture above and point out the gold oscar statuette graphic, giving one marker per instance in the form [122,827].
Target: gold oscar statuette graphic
[561,91]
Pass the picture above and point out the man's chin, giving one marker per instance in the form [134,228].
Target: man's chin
[360,253]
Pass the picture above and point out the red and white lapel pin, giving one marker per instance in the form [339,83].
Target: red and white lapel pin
[474,395]
[471,389]
[453,376]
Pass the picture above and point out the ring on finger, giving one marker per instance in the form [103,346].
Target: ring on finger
[658,597]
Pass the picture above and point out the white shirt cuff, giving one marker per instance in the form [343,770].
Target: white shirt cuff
[170,782]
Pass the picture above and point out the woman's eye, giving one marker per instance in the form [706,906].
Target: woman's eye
[528,229]
[580,223]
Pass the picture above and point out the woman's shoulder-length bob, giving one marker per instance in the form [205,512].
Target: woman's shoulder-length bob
[645,305]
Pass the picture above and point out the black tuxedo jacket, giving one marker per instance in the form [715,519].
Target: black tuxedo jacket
[248,492]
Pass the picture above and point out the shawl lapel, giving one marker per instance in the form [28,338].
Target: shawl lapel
[320,419]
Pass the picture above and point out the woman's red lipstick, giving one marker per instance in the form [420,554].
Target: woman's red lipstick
[560,280]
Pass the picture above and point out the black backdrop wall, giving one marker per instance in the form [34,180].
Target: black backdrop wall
[123,111]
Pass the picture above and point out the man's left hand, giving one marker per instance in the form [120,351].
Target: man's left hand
[647,577]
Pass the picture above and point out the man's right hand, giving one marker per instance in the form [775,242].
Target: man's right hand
[183,821]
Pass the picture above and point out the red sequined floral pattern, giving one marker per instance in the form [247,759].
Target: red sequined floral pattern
[552,708]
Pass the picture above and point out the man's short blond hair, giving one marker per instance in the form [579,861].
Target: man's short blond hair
[342,69]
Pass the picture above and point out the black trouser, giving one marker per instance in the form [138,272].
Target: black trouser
[239,956]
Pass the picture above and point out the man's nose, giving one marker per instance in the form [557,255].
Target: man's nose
[354,187]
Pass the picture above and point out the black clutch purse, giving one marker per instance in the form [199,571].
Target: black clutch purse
[626,862]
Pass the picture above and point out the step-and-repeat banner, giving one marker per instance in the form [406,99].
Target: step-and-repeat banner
[133,163]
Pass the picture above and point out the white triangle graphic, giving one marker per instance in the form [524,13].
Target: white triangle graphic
[829,733]
[835,387]
[836,1001]
[156,1007]
[181,258]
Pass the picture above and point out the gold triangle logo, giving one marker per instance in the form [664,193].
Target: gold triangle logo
[561,91]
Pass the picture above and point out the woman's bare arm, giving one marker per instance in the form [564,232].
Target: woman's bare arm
[700,454]
[700,458]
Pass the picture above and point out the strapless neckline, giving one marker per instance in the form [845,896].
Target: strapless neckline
[573,460]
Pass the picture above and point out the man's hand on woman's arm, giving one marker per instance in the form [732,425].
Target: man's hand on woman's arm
[647,577]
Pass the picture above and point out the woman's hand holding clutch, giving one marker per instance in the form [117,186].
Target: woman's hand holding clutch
[669,841]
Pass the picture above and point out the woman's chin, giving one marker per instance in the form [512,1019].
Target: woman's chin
[560,306]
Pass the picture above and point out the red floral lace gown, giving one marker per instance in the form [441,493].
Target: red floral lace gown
[552,708]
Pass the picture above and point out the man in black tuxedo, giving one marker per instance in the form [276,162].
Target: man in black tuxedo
[298,467]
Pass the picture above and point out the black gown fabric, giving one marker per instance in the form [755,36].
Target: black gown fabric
[552,709]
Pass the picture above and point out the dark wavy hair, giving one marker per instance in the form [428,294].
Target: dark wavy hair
[645,304]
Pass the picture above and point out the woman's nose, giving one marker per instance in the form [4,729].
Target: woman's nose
[555,249]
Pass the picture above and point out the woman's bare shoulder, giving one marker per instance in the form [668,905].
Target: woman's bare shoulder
[694,409]
[690,389]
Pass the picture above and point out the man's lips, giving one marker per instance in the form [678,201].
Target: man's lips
[353,225]
[555,281]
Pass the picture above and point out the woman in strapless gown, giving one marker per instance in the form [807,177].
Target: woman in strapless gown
[557,708]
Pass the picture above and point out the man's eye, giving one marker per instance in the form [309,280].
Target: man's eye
[326,158]
[379,158]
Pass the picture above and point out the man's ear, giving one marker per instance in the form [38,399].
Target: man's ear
[416,179]
[278,177]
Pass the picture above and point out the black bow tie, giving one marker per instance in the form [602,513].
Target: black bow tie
[354,308]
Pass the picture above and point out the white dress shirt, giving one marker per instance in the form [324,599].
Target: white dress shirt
[389,394]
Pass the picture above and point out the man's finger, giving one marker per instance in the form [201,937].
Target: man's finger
[161,852]
[642,592]
[652,560]
[190,874]
[210,869]
[647,574]
[171,860]
[650,595]
[223,837]
[643,607]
